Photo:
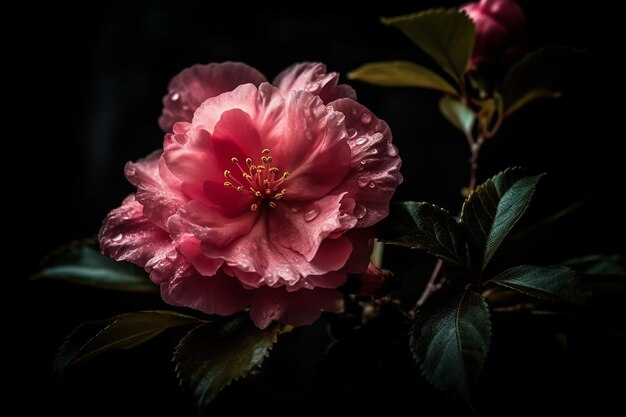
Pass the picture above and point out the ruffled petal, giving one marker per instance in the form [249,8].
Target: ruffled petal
[297,308]
[218,294]
[264,105]
[127,235]
[314,149]
[190,249]
[375,166]
[208,224]
[312,77]
[255,252]
[158,191]
[192,86]
[302,226]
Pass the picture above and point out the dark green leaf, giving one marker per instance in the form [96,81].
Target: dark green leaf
[450,340]
[122,332]
[426,227]
[552,283]
[447,35]
[215,354]
[534,76]
[491,211]
[457,113]
[598,265]
[81,263]
[401,74]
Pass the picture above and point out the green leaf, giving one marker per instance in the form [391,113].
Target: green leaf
[215,354]
[598,265]
[81,263]
[122,332]
[447,35]
[491,211]
[426,227]
[552,283]
[457,113]
[450,340]
[401,74]
[534,76]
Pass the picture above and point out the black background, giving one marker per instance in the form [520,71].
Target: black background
[90,82]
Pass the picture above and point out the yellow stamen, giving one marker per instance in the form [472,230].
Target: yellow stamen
[227,173]
[234,160]
[227,184]
[272,204]
[265,151]
[254,207]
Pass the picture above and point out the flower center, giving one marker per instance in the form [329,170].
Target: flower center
[263,180]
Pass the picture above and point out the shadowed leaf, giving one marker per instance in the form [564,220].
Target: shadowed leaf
[450,340]
[215,354]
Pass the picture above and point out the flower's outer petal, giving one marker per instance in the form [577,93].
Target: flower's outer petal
[218,294]
[314,149]
[362,242]
[264,105]
[312,77]
[302,226]
[193,85]
[297,308]
[207,223]
[375,166]
[127,235]
[158,191]
[255,252]
[190,249]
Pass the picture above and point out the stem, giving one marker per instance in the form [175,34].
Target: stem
[431,287]
[475,152]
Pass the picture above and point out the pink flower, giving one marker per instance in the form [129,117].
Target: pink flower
[262,196]
[500,33]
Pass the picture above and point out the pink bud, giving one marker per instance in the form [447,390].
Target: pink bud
[500,33]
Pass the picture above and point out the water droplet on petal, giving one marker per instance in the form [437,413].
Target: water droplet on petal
[175,97]
[308,136]
[361,140]
[371,185]
[117,237]
[307,284]
[391,150]
[351,133]
[172,256]
[359,211]
[311,214]
[362,181]
[366,118]
[185,107]
[354,112]
[130,171]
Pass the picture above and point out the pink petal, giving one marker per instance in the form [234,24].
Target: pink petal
[362,242]
[127,235]
[314,149]
[157,189]
[219,294]
[331,280]
[297,308]
[256,252]
[208,223]
[303,226]
[312,77]
[375,166]
[192,86]
[264,105]
[190,249]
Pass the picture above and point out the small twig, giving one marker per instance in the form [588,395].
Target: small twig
[431,287]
